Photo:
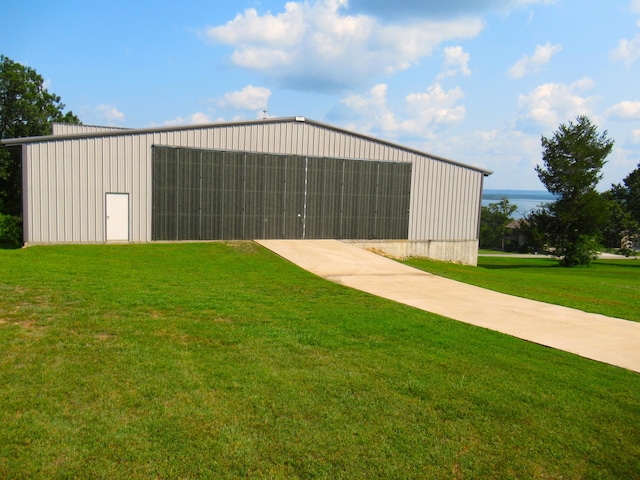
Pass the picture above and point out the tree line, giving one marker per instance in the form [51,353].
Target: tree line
[581,221]
[27,109]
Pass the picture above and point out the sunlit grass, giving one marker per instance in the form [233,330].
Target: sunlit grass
[224,361]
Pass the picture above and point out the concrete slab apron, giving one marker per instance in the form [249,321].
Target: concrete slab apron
[601,338]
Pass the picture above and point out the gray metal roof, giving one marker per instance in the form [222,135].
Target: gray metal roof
[127,132]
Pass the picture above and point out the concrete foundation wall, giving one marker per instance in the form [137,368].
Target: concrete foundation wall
[457,251]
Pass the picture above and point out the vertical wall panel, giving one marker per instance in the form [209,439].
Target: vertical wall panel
[49,192]
[121,160]
[137,202]
[58,197]
[79,181]
[211,195]
[188,194]
[324,197]
[86,194]
[93,176]
[165,194]
[232,195]
[275,177]
[218,138]
[392,201]
[253,197]
[288,140]
[358,207]
[101,165]
[294,196]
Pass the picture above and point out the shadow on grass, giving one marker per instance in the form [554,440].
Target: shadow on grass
[9,246]
[543,264]
[513,267]
[516,267]
[529,263]
[630,263]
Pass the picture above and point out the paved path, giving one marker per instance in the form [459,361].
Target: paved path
[589,335]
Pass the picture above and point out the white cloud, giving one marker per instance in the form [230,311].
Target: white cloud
[532,64]
[625,111]
[551,104]
[510,154]
[283,29]
[109,113]
[424,113]
[456,61]
[372,111]
[368,104]
[317,45]
[249,98]
[194,118]
[199,117]
[635,136]
[627,51]
[436,107]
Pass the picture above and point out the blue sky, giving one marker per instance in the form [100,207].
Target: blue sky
[476,81]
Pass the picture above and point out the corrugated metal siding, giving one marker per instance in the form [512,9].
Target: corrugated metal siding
[446,204]
[67,179]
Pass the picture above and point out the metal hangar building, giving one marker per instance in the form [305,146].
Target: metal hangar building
[286,178]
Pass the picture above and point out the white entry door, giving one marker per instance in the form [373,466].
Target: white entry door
[117,217]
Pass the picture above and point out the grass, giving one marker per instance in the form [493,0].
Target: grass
[608,287]
[224,361]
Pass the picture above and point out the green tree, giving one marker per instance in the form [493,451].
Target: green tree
[623,201]
[534,226]
[493,220]
[26,109]
[628,194]
[573,159]
[618,224]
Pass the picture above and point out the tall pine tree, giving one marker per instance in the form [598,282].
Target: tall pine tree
[573,159]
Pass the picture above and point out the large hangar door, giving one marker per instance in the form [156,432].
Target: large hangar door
[357,199]
[214,195]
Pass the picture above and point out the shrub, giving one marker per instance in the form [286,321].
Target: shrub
[10,231]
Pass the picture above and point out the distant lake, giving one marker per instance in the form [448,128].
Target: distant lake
[525,200]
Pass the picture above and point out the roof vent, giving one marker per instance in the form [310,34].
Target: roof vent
[300,119]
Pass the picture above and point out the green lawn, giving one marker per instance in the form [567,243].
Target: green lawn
[608,287]
[224,361]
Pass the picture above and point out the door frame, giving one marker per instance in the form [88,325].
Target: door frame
[122,205]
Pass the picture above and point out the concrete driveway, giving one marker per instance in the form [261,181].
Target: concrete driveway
[601,338]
